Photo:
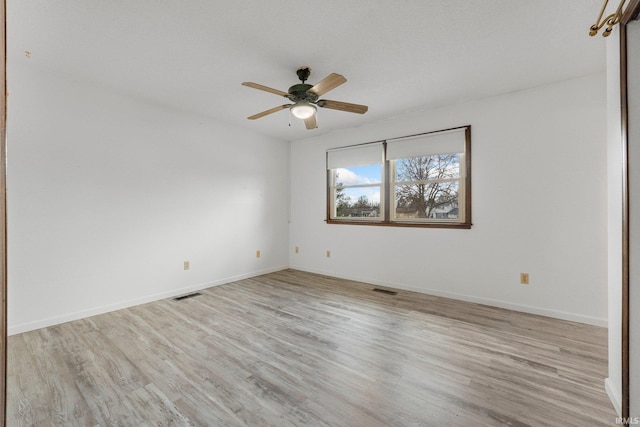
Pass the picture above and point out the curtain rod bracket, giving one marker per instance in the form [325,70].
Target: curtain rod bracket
[610,21]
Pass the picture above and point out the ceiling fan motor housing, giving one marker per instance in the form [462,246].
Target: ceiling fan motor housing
[300,92]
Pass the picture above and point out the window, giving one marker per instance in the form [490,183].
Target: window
[421,181]
[356,182]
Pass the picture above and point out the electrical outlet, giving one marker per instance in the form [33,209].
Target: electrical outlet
[328,254]
[187,265]
[257,254]
[524,278]
[297,250]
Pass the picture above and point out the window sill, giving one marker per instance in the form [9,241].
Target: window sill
[459,225]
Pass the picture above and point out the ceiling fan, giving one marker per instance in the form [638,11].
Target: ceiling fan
[305,98]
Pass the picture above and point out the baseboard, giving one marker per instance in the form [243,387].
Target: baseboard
[616,401]
[556,314]
[26,327]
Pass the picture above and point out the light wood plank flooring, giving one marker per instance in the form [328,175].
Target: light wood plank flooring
[295,349]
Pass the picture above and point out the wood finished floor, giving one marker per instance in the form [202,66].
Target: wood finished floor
[293,349]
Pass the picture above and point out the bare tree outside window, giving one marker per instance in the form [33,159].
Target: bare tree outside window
[425,185]
[342,201]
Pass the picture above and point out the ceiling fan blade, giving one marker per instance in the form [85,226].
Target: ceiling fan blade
[267,112]
[265,88]
[343,106]
[311,122]
[332,81]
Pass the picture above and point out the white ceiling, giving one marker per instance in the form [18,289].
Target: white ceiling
[396,55]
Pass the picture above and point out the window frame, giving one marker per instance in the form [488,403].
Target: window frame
[387,216]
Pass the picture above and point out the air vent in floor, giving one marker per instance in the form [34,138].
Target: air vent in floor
[384,291]
[195,294]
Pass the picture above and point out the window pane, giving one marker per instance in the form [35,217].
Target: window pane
[428,201]
[358,202]
[439,166]
[358,175]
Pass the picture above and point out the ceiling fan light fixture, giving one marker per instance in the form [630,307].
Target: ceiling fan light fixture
[303,109]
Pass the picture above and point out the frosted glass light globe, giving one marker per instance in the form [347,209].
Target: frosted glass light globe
[303,110]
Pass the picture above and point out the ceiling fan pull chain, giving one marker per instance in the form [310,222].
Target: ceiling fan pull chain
[289,117]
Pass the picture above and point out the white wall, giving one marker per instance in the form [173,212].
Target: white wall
[539,206]
[613,383]
[108,195]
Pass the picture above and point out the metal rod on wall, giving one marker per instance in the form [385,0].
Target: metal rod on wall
[610,21]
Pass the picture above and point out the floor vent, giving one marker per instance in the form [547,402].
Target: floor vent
[384,291]
[195,294]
